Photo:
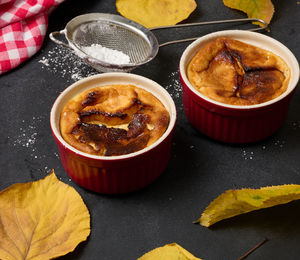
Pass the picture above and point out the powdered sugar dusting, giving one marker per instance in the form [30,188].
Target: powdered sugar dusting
[296,125]
[174,86]
[28,138]
[278,145]
[65,64]
[247,155]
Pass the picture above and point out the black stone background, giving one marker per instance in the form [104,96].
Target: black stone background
[200,169]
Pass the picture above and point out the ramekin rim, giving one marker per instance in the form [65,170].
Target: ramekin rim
[56,131]
[182,70]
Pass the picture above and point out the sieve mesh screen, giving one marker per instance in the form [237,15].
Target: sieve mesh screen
[113,36]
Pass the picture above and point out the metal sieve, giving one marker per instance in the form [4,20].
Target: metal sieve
[121,34]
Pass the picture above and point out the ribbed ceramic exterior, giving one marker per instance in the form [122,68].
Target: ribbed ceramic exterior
[114,174]
[237,124]
[233,126]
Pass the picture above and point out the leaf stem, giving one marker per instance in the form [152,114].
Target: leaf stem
[253,249]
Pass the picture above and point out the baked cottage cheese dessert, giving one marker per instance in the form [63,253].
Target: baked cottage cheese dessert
[237,73]
[113,120]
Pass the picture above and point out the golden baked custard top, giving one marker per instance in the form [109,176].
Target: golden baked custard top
[236,73]
[113,120]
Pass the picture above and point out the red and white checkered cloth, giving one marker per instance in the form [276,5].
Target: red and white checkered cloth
[23,25]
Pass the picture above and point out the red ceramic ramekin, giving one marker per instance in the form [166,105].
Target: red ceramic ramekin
[114,174]
[230,123]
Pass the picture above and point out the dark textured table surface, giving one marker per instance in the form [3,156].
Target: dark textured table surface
[127,226]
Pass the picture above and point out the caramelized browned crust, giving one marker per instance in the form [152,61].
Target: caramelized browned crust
[113,120]
[236,73]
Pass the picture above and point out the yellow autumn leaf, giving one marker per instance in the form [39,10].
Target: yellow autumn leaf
[169,252]
[41,220]
[152,13]
[236,202]
[261,9]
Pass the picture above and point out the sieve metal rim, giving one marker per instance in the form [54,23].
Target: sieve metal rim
[130,25]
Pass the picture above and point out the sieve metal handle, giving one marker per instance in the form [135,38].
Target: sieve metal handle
[62,32]
[208,23]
